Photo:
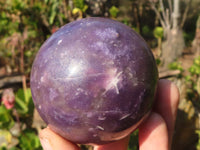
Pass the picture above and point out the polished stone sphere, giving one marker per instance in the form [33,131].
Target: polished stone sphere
[94,81]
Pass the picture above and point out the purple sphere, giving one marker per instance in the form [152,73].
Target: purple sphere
[94,81]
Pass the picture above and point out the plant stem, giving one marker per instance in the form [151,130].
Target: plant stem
[22,69]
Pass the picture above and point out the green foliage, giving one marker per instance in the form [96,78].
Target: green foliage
[113,11]
[158,32]
[80,11]
[5,138]
[191,79]
[24,26]
[54,7]
[29,141]
[158,61]
[3,147]
[136,29]
[146,31]
[126,21]
[194,80]
[4,23]
[198,143]
[79,3]
[28,137]
[18,4]
[6,119]
[188,37]
[24,103]
[79,6]
[133,143]
[195,68]
[176,66]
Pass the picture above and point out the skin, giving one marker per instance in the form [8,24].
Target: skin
[155,133]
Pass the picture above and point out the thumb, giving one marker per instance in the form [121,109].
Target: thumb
[153,134]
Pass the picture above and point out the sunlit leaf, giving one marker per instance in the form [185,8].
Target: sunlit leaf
[75,11]
[29,140]
[6,120]
[114,11]
[6,135]
[24,103]
[158,32]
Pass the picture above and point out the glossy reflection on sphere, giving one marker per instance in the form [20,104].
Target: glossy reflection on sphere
[94,80]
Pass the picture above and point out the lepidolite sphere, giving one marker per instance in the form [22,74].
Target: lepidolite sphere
[94,81]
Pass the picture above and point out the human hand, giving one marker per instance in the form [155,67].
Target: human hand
[154,134]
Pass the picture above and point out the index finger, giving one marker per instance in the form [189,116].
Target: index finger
[52,141]
[166,104]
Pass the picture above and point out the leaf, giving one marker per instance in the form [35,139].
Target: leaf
[133,143]
[75,11]
[29,140]
[28,53]
[24,103]
[197,61]
[114,11]
[158,32]
[79,4]
[21,106]
[6,120]
[176,66]
[46,1]
[53,13]
[146,30]
[3,147]
[6,135]
[85,8]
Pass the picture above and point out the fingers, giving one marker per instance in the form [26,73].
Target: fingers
[52,141]
[118,145]
[157,131]
[153,133]
[166,104]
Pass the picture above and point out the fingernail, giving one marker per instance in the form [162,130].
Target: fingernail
[45,144]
